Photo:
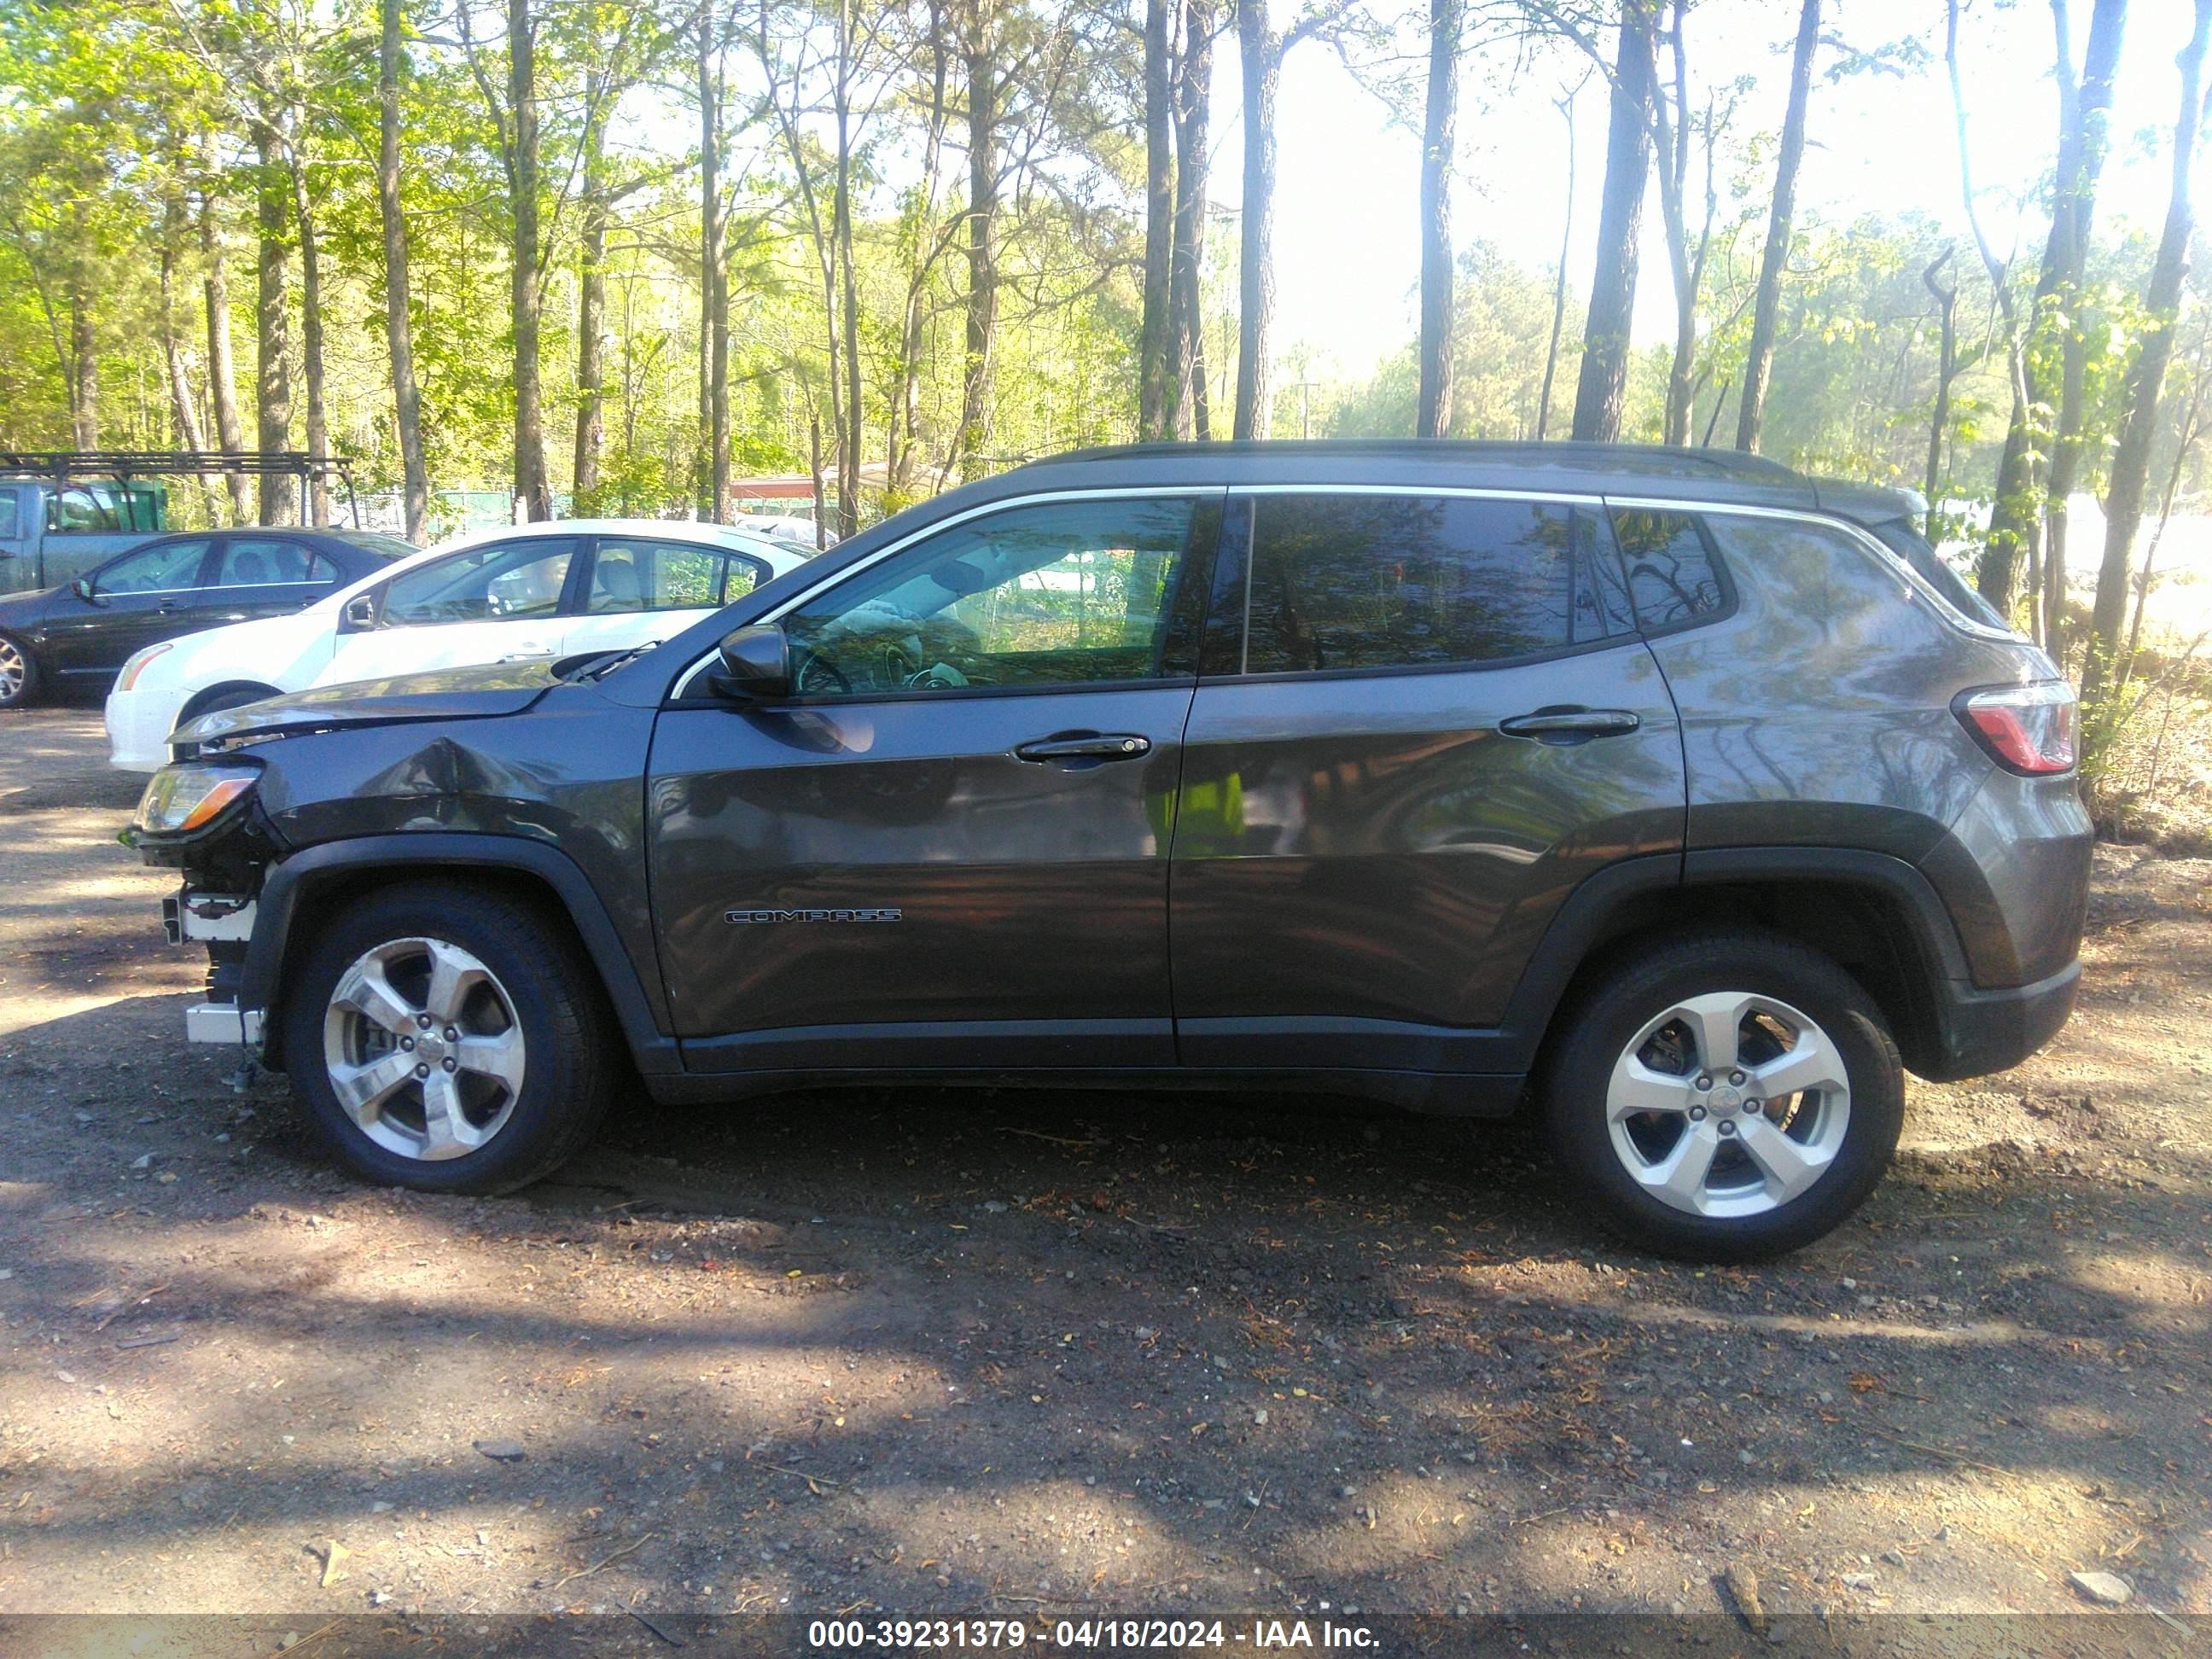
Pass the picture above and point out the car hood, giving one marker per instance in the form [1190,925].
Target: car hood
[444,694]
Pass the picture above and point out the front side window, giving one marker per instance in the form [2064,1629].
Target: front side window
[1371,581]
[645,576]
[264,561]
[504,581]
[8,512]
[165,568]
[1075,593]
[1672,573]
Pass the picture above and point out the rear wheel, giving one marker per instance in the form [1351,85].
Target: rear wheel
[448,1038]
[19,673]
[1726,1097]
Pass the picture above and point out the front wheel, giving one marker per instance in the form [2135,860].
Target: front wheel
[1726,1097]
[19,673]
[450,1039]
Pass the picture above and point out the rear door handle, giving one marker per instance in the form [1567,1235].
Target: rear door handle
[1563,726]
[1085,745]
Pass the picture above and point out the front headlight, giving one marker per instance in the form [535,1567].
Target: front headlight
[184,799]
[137,665]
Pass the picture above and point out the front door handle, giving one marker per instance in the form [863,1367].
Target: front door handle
[1085,745]
[1563,726]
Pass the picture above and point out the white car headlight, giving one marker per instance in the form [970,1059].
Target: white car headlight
[184,799]
[137,665]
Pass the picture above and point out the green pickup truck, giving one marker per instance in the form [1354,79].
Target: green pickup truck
[51,533]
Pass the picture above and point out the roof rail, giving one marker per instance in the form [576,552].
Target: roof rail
[1654,459]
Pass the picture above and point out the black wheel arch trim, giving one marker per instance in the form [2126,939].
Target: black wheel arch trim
[1587,914]
[635,997]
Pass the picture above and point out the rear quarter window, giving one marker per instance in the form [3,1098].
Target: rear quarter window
[1674,577]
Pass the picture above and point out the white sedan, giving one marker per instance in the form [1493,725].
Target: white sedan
[539,590]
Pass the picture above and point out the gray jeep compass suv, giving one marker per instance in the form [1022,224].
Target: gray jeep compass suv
[1688,799]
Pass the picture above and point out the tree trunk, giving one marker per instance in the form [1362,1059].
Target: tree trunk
[1751,405]
[83,369]
[592,299]
[1670,129]
[222,372]
[1433,416]
[310,337]
[2076,300]
[1159,224]
[980,50]
[272,374]
[1604,379]
[183,408]
[2191,424]
[1193,86]
[814,473]
[532,489]
[1946,370]
[2083,109]
[713,481]
[1559,277]
[1261,54]
[848,438]
[902,439]
[2146,379]
[399,325]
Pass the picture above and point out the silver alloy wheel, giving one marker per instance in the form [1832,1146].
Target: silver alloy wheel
[1729,1104]
[13,671]
[423,1050]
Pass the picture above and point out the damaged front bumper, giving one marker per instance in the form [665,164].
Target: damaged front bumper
[223,922]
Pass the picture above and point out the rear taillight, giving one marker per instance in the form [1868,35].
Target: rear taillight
[2028,729]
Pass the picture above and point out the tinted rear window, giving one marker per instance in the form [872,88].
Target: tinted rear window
[1672,573]
[369,541]
[1351,582]
[1902,537]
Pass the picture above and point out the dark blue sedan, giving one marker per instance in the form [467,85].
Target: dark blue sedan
[77,638]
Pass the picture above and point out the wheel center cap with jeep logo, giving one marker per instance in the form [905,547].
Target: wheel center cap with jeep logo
[1724,1099]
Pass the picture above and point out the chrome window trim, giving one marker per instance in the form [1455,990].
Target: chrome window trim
[1863,539]
[682,688]
[1563,497]
[1866,541]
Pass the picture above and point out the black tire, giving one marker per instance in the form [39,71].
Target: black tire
[1613,1011]
[572,1065]
[19,691]
[236,697]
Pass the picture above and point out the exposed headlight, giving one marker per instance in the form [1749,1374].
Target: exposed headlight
[184,799]
[137,665]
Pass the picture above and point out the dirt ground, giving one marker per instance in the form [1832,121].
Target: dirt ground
[1030,1355]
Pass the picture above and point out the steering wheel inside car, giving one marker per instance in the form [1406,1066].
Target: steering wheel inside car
[816,676]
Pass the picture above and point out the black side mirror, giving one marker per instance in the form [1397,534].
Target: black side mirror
[755,663]
[83,589]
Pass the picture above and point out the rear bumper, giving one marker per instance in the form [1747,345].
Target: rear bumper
[1981,1031]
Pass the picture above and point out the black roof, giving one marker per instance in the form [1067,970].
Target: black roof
[1717,475]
